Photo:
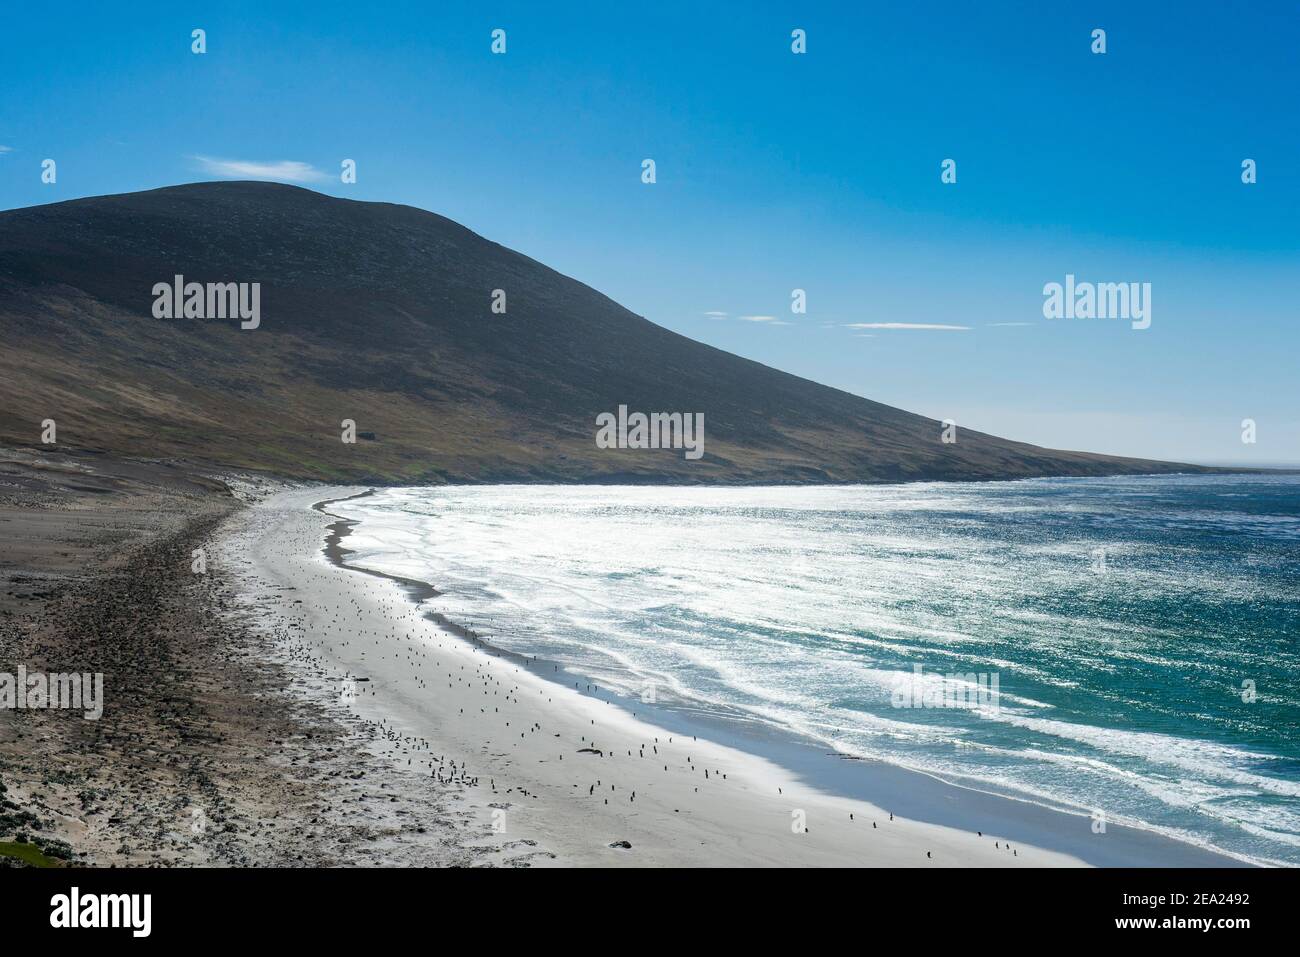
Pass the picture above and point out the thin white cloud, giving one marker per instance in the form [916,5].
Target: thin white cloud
[290,171]
[6,149]
[906,325]
[767,320]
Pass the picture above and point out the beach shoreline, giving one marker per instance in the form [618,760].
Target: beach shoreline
[774,780]
[213,747]
[313,714]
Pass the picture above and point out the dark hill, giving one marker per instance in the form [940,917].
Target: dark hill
[381,314]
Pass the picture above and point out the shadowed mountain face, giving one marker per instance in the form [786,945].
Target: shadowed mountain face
[382,314]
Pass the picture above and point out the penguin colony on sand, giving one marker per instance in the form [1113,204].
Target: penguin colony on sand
[348,630]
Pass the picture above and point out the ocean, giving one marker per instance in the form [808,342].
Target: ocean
[1126,647]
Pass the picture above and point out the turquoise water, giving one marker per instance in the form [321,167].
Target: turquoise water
[1124,676]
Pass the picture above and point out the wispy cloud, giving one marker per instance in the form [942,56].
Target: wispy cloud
[290,171]
[6,149]
[768,320]
[907,325]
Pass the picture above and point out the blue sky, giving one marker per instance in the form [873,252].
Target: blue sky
[775,171]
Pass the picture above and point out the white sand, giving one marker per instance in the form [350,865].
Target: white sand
[504,725]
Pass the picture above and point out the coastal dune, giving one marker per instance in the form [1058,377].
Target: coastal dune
[538,768]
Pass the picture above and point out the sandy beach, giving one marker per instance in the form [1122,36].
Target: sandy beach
[208,752]
[547,773]
[282,708]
